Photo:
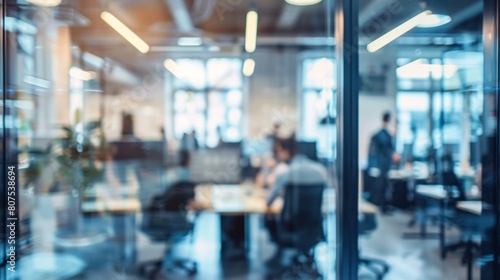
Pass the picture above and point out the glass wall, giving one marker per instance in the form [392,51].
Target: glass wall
[424,144]
[168,140]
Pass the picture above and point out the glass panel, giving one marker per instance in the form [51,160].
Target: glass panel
[421,142]
[151,144]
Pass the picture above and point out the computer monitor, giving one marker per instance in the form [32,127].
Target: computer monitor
[216,166]
[308,148]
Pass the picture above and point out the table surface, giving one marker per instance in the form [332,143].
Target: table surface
[434,191]
[438,192]
[240,199]
[474,207]
[223,199]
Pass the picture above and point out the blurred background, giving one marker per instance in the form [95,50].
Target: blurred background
[198,139]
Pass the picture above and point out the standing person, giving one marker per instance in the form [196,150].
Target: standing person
[381,155]
[189,141]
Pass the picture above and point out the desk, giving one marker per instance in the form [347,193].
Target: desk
[439,193]
[111,205]
[474,207]
[245,199]
[433,191]
[124,221]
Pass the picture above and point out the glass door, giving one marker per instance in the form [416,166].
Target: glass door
[169,139]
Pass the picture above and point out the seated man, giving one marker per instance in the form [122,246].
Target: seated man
[301,171]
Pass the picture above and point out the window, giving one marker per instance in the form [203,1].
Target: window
[208,95]
[318,104]
[452,85]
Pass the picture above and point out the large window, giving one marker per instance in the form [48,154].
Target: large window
[208,99]
[450,85]
[318,104]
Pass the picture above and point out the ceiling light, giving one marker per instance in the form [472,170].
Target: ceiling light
[251,31]
[189,41]
[302,2]
[126,33]
[419,69]
[78,73]
[45,3]
[172,66]
[248,67]
[434,20]
[397,32]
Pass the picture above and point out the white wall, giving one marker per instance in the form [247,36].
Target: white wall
[371,107]
[272,91]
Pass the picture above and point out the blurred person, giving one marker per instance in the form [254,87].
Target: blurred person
[275,131]
[221,141]
[189,141]
[381,156]
[274,166]
[300,171]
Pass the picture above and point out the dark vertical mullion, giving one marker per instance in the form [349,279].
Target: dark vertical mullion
[491,14]
[3,184]
[346,25]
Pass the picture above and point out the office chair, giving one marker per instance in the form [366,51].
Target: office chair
[165,220]
[470,226]
[367,224]
[301,222]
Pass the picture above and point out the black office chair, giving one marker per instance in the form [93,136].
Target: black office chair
[367,224]
[301,222]
[470,226]
[166,220]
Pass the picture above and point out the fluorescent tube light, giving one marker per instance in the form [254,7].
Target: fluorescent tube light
[248,67]
[302,2]
[126,33]
[45,3]
[397,32]
[80,74]
[172,67]
[190,41]
[418,69]
[434,20]
[251,31]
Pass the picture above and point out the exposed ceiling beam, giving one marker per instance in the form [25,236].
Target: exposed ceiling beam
[203,10]
[181,15]
[465,14]
[289,16]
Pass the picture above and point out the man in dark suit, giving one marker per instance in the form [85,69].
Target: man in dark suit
[381,157]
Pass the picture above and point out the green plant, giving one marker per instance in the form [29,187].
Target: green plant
[73,157]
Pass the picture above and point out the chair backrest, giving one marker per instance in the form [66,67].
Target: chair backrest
[166,216]
[367,224]
[302,215]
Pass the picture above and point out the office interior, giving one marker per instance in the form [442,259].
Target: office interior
[200,139]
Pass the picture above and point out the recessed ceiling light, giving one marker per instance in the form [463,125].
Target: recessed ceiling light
[45,3]
[434,20]
[302,2]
